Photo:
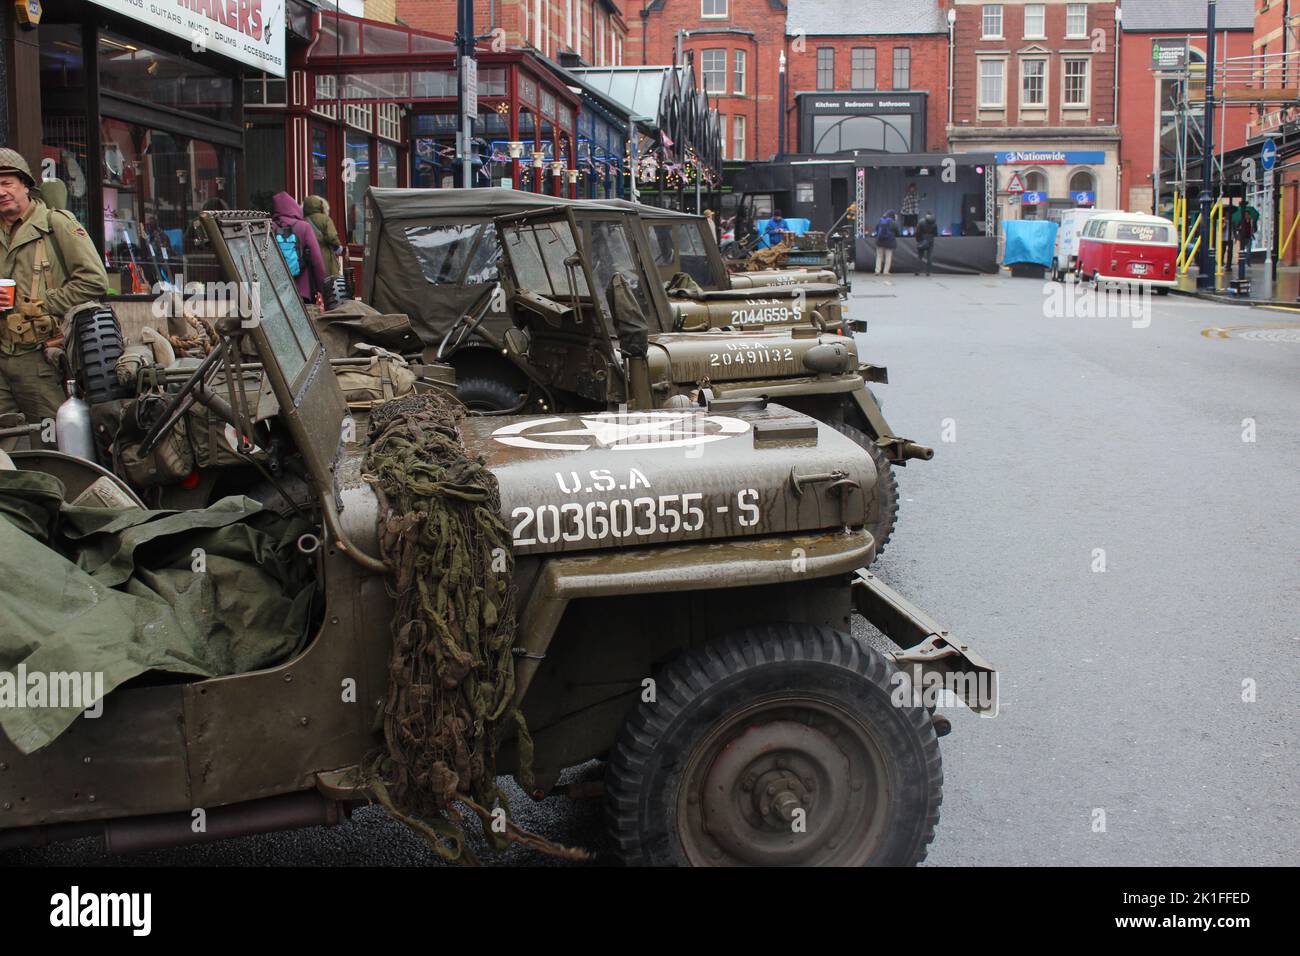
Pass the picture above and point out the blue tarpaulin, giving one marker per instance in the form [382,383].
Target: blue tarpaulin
[1029,240]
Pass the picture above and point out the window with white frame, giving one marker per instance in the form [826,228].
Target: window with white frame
[738,137]
[326,90]
[993,84]
[992,21]
[1033,83]
[864,68]
[1076,83]
[1076,19]
[713,70]
[738,67]
[568,22]
[1035,21]
[713,8]
[903,68]
[389,121]
[359,115]
[825,68]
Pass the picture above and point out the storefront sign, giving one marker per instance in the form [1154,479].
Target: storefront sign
[1168,54]
[908,103]
[1049,157]
[249,31]
[469,87]
[1084,199]
[1033,199]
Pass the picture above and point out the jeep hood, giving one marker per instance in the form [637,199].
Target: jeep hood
[689,358]
[585,482]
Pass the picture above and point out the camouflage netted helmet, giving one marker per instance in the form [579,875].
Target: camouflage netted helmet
[11,161]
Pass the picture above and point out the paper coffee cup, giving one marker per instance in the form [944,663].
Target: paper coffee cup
[7,290]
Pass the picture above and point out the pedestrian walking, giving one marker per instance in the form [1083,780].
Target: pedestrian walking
[48,265]
[297,240]
[886,235]
[317,210]
[927,231]
[1244,221]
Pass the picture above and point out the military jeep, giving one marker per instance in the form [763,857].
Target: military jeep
[712,553]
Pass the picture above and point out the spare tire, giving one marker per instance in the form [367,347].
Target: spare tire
[336,292]
[95,348]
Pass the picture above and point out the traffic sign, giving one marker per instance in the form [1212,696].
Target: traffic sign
[1017,185]
[1268,155]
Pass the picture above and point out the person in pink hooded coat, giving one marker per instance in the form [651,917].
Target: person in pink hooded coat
[286,213]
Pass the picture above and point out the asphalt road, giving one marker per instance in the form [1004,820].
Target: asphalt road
[1122,690]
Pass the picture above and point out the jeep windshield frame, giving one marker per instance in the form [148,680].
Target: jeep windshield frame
[312,407]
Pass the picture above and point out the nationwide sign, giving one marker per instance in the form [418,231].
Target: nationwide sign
[250,31]
[1049,157]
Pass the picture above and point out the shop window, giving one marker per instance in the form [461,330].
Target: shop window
[62,64]
[265,91]
[320,161]
[64,157]
[1083,182]
[130,69]
[154,185]
[804,193]
[886,133]
[386,166]
[264,138]
[356,147]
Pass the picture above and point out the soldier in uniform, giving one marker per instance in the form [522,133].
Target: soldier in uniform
[54,267]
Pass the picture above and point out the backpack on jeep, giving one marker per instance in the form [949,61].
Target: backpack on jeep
[288,244]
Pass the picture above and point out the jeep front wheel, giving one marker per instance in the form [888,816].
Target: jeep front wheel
[779,746]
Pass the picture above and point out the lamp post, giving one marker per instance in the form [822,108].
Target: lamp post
[516,150]
[780,95]
[466,65]
[1205,271]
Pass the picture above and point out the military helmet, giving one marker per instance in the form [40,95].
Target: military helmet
[11,161]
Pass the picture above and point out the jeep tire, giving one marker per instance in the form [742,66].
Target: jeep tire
[780,745]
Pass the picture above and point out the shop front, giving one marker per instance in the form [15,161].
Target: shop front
[831,123]
[1040,183]
[142,121]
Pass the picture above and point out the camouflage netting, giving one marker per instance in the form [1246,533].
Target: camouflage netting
[451,671]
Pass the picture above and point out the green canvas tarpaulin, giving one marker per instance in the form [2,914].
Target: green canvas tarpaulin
[119,592]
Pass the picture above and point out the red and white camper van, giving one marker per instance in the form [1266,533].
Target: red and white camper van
[1129,248]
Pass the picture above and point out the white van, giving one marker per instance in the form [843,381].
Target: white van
[1066,256]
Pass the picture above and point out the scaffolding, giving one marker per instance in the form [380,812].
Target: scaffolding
[1267,82]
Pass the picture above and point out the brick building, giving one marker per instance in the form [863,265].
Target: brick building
[904,56]
[594,30]
[1036,83]
[1147,114]
[863,46]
